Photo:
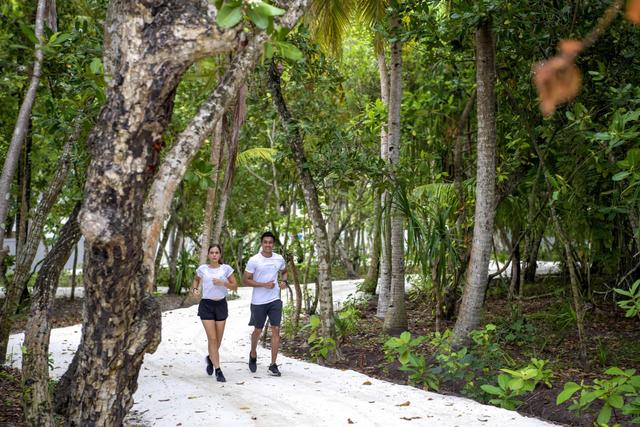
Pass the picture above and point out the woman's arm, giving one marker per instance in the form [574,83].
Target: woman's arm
[195,286]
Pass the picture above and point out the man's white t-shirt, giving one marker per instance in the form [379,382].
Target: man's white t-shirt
[265,270]
[207,274]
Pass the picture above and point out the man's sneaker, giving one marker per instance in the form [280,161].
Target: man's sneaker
[220,376]
[273,370]
[209,366]
[253,365]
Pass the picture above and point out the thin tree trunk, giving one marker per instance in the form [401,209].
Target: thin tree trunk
[24,183]
[310,192]
[217,148]
[477,272]
[74,271]
[35,364]
[239,115]
[514,285]
[168,231]
[395,320]
[384,281]
[176,245]
[20,130]
[25,257]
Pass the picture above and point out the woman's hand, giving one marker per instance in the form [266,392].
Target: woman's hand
[219,282]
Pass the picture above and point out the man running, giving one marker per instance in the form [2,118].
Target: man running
[262,275]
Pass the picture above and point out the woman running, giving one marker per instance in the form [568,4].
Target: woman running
[215,279]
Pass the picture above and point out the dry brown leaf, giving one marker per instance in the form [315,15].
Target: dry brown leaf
[366,383]
[349,421]
[409,418]
[570,47]
[407,403]
[633,11]
[557,80]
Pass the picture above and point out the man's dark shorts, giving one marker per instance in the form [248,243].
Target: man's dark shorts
[259,314]
[213,310]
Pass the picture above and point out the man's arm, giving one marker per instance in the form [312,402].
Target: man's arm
[247,280]
[283,277]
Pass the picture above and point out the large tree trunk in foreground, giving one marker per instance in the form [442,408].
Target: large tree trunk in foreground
[313,205]
[20,130]
[477,271]
[148,46]
[395,320]
[25,257]
[35,364]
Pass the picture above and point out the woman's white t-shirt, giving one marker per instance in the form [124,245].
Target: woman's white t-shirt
[207,274]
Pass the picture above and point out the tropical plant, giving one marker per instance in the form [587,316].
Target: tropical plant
[631,305]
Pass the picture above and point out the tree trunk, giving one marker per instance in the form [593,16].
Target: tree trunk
[395,320]
[24,183]
[168,231]
[74,271]
[477,271]
[239,115]
[35,364]
[515,284]
[384,281]
[25,257]
[217,148]
[148,46]
[19,131]
[310,192]
[176,245]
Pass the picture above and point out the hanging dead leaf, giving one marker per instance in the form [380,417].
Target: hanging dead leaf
[557,80]
[633,11]
[570,47]
[407,403]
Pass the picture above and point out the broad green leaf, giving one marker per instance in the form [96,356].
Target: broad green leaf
[621,175]
[267,10]
[290,51]
[491,389]
[615,371]
[28,32]
[569,389]
[260,20]
[516,384]
[604,415]
[616,401]
[229,15]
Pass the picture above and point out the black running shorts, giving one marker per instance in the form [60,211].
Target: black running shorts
[213,310]
[259,314]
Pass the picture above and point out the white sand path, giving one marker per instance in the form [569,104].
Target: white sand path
[173,388]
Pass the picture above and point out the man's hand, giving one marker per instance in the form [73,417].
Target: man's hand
[283,284]
[269,285]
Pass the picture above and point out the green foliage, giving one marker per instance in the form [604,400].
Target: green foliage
[447,363]
[515,383]
[320,345]
[620,392]
[185,270]
[346,320]
[631,305]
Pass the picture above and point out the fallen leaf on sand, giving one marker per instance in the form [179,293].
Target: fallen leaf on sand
[254,418]
[407,403]
[349,421]
[409,418]
[240,383]
[366,383]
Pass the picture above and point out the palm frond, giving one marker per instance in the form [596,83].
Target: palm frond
[330,20]
[253,154]
[372,12]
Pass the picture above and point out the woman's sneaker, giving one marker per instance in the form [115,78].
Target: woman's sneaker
[220,376]
[209,366]
[273,370]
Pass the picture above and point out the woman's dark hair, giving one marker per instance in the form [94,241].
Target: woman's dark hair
[216,245]
[267,234]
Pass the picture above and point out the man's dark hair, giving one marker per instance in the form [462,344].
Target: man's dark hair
[267,234]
